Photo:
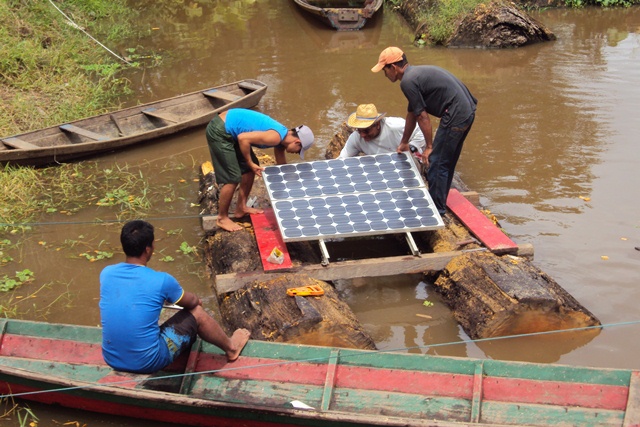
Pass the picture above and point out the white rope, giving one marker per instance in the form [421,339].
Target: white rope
[74,25]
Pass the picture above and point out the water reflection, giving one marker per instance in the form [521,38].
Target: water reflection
[393,311]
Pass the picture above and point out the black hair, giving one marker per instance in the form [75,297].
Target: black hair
[136,236]
[400,63]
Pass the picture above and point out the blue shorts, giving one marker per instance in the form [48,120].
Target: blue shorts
[179,332]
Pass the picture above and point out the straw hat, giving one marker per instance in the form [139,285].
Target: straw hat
[365,116]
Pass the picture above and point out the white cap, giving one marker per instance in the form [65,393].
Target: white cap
[306,138]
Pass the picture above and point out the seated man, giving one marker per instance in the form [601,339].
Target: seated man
[230,137]
[131,298]
[375,134]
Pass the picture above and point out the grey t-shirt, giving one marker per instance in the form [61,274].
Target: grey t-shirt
[438,92]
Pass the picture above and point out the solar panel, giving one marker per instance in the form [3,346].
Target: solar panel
[357,196]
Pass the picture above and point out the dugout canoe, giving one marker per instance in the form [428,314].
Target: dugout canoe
[63,365]
[343,15]
[135,125]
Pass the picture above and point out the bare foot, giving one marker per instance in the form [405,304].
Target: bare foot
[246,211]
[227,224]
[238,341]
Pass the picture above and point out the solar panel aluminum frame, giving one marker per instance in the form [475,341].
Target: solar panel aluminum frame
[376,189]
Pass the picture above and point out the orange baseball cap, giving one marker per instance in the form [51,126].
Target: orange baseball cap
[388,56]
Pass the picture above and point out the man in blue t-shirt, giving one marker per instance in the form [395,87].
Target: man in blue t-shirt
[434,91]
[131,298]
[230,137]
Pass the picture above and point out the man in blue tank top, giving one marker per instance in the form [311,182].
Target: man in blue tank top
[434,91]
[131,298]
[230,137]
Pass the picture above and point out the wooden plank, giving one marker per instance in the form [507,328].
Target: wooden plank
[632,413]
[152,112]
[330,381]
[374,267]
[220,94]
[268,237]
[249,86]
[19,143]
[479,225]
[84,132]
[476,400]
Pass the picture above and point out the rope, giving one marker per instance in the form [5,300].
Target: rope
[320,359]
[97,222]
[74,25]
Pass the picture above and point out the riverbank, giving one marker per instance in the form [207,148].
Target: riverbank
[51,71]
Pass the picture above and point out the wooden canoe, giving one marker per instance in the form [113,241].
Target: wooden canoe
[343,15]
[63,365]
[134,125]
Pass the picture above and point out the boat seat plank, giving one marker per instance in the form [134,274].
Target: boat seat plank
[248,86]
[152,112]
[481,226]
[632,413]
[220,94]
[18,143]
[84,132]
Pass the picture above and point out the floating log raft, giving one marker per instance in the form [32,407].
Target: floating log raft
[493,296]
[263,306]
[271,315]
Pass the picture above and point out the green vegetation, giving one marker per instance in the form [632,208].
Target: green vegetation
[24,414]
[29,193]
[10,283]
[440,18]
[50,72]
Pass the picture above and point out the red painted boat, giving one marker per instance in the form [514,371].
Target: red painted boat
[62,364]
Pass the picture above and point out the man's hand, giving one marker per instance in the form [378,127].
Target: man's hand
[425,156]
[404,146]
[256,169]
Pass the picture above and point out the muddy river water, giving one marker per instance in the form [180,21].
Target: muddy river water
[552,153]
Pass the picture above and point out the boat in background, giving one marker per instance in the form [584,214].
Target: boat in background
[129,126]
[343,15]
[276,384]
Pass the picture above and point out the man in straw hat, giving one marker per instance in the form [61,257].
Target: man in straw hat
[374,133]
[231,136]
[434,91]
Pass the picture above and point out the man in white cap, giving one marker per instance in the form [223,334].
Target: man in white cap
[434,91]
[230,137]
[374,133]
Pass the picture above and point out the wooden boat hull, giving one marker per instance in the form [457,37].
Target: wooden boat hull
[134,125]
[339,15]
[62,364]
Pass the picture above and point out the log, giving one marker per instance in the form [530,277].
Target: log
[270,314]
[492,296]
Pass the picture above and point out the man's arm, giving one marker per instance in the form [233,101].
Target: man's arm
[189,301]
[246,139]
[424,123]
[409,126]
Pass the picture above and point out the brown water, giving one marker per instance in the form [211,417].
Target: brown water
[557,124]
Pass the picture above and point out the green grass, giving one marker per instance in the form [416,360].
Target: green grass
[50,72]
[30,193]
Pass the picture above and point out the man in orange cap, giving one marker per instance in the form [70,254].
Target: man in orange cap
[434,91]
